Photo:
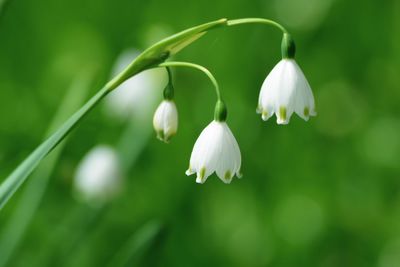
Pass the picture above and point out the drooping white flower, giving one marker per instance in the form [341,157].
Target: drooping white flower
[98,177]
[284,91]
[216,150]
[165,120]
[137,96]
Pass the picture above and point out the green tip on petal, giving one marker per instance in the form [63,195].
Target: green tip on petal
[202,173]
[282,113]
[163,137]
[306,111]
[264,115]
[228,175]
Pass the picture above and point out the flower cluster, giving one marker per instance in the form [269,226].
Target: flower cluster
[284,91]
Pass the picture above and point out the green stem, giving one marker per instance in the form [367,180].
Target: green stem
[194,66]
[235,22]
[169,75]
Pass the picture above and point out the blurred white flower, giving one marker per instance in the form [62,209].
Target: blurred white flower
[138,95]
[98,177]
[216,150]
[284,91]
[165,120]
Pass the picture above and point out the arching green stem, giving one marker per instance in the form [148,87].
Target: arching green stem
[235,22]
[194,66]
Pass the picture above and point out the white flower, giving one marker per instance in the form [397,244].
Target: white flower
[216,150]
[284,91]
[139,95]
[165,120]
[98,176]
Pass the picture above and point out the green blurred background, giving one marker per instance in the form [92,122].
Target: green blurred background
[321,193]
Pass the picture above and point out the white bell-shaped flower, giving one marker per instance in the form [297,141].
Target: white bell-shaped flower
[284,91]
[165,120]
[98,177]
[216,150]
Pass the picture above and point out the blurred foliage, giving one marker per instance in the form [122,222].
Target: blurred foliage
[321,193]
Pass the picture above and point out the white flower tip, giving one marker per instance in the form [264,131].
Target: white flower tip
[200,179]
[281,117]
[307,113]
[189,171]
[239,174]
[282,122]
[265,116]
[313,112]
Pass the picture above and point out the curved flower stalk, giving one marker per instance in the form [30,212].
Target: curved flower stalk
[154,56]
[286,90]
[98,177]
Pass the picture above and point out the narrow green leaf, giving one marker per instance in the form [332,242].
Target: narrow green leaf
[16,226]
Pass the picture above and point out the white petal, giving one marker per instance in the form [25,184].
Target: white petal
[228,162]
[170,118]
[205,151]
[305,106]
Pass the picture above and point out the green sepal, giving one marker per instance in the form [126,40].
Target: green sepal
[169,92]
[288,46]
[221,112]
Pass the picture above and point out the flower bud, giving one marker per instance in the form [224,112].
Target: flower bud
[165,120]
